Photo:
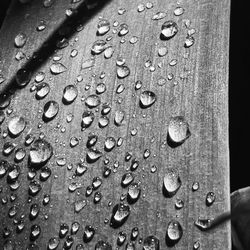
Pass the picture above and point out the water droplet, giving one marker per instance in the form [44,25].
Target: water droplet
[64,229]
[93,155]
[87,119]
[48,3]
[174,233]
[196,245]
[121,11]
[162,51]
[122,236]
[87,64]
[45,173]
[138,85]
[123,71]
[100,88]
[171,182]
[69,94]
[50,110]
[151,243]
[159,15]
[23,77]
[127,179]
[46,199]
[8,148]
[42,89]
[35,231]
[147,99]
[109,143]
[120,213]
[161,81]
[173,62]
[40,152]
[133,39]
[123,29]
[88,233]
[103,27]
[34,211]
[103,121]
[178,131]
[153,169]
[98,47]
[134,192]
[179,204]
[34,188]
[195,186]
[168,30]
[108,53]
[79,205]
[130,246]
[53,243]
[57,68]
[178,11]
[80,247]
[189,41]
[210,198]
[20,40]
[120,88]
[134,164]
[4,166]
[134,233]
[16,125]
[103,245]
[97,197]
[74,141]
[119,117]
[202,224]
[75,226]
[93,101]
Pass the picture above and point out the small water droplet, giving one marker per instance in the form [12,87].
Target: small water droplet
[103,245]
[210,198]
[189,41]
[16,125]
[122,236]
[151,243]
[57,68]
[103,27]
[64,229]
[134,233]
[179,204]
[123,71]
[109,143]
[108,53]
[92,101]
[120,214]
[202,224]
[159,15]
[140,7]
[171,182]
[103,121]
[162,51]
[88,233]
[45,173]
[100,88]
[93,155]
[53,243]
[85,65]
[168,30]
[195,186]
[34,211]
[87,119]
[50,110]
[69,94]
[174,233]
[147,99]
[98,47]
[178,131]
[134,192]
[42,89]
[123,29]
[20,40]
[196,245]
[23,77]
[178,11]
[35,231]
[79,205]
[40,152]
[34,187]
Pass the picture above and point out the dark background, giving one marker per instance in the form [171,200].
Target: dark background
[238,91]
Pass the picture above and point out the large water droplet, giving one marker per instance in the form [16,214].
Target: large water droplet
[57,68]
[168,30]
[147,99]
[178,131]
[103,27]
[171,182]
[50,110]
[151,243]
[120,214]
[40,152]
[20,40]
[69,94]
[16,125]
[174,233]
